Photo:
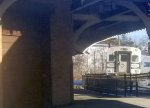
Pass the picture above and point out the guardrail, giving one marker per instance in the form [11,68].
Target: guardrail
[126,84]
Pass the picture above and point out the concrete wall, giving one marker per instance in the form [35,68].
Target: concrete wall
[36,55]
[26,58]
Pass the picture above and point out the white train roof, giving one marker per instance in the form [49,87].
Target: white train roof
[134,50]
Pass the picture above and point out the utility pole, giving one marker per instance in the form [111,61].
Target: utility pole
[118,40]
[148,48]
[94,61]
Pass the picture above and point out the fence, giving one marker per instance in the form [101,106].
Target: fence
[125,85]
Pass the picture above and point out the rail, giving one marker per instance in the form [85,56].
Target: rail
[126,84]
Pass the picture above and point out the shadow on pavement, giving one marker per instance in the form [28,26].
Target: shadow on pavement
[100,103]
[93,93]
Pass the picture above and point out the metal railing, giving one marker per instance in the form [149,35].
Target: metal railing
[119,85]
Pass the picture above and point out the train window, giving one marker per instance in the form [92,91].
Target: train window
[135,58]
[124,57]
[111,57]
[146,64]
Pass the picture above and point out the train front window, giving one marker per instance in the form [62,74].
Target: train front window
[135,58]
[146,64]
[124,57]
[111,57]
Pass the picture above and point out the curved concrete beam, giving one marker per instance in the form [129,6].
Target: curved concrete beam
[88,24]
[87,5]
[5,5]
[130,5]
[84,17]
[89,37]
[84,27]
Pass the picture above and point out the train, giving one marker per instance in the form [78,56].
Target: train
[145,67]
[123,59]
[127,72]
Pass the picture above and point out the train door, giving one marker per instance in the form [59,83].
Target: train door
[123,62]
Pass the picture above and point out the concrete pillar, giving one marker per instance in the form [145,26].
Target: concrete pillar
[25,50]
[61,53]
[1,91]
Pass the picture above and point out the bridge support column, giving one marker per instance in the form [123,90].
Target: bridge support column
[1,91]
[61,53]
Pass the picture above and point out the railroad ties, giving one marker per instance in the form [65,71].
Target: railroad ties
[117,85]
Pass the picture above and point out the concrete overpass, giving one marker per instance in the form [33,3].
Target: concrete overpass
[38,39]
[99,19]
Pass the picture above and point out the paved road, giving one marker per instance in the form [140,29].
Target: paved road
[93,101]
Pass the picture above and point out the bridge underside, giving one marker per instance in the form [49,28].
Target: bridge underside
[38,39]
[99,19]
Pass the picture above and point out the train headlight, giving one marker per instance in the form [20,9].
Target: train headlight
[134,66]
[110,65]
[109,70]
[137,71]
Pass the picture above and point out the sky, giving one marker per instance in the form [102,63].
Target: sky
[137,36]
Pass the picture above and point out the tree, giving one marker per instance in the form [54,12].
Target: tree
[79,66]
[112,41]
[127,41]
[143,45]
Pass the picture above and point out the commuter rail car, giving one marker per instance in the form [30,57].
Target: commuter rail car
[145,67]
[123,59]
